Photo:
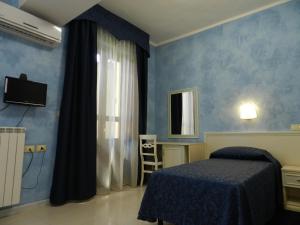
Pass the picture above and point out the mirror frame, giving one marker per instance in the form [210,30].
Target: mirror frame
[196,113]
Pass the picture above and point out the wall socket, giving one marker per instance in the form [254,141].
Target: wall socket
[41,148]
[295,127]
[29,148]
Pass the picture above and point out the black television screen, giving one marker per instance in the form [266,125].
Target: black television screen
[25,92]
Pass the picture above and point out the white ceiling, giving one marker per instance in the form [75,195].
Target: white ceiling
[58,12]
[164,20]
[168,20]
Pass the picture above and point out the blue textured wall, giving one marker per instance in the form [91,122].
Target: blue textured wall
[42,65]
[12,2]
[255,58]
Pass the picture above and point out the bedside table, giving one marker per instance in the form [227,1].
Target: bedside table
[291,187]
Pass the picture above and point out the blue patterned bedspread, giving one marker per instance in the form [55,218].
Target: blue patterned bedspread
[218,191]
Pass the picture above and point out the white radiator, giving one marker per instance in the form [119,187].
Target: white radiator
[12,142]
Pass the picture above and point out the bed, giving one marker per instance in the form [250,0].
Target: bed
[236,186]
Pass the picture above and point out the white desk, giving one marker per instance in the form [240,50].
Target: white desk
[177,153]
[291,187]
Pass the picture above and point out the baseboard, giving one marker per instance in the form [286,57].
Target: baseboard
[19,208]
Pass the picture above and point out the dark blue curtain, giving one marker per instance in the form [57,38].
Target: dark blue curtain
[75,165]
[142,70]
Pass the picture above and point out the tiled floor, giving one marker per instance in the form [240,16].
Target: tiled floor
[118,208]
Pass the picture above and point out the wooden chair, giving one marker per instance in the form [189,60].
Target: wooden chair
[149,156]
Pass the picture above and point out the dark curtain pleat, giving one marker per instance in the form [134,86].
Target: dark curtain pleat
[176,113]
[74,176]
[142,69]
[117,26]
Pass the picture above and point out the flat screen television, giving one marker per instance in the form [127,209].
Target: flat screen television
[25,92]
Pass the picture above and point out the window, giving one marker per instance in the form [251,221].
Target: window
[113,97]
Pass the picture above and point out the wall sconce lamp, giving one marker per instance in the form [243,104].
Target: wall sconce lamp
[248,111]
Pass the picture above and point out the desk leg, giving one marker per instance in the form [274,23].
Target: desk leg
[160,222]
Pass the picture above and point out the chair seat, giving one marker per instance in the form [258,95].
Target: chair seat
[152,163]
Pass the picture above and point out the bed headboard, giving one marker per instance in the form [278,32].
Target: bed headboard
[284,146]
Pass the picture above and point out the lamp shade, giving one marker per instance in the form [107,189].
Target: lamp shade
[248,111]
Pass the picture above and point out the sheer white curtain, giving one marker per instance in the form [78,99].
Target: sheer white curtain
[117,149]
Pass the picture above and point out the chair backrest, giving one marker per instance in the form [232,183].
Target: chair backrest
[148,146]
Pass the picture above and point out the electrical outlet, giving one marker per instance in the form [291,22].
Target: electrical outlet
[295,127]
[41,148]
[29,148]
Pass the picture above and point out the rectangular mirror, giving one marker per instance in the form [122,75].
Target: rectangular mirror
[183,113]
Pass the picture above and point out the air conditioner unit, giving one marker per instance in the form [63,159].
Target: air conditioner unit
[23,24]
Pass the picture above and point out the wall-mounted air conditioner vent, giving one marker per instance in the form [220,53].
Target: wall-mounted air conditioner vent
[18,22]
